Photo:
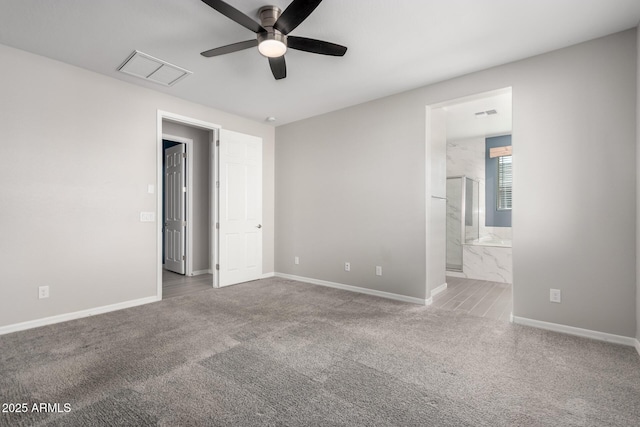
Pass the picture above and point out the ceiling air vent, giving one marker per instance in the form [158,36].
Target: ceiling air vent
[147,67]
[481,114]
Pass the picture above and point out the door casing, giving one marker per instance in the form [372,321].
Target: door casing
[215,130]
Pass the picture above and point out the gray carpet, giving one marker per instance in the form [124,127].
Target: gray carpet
[282,353]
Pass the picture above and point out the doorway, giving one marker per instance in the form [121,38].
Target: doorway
[187,207]
[231,196]
[475,134]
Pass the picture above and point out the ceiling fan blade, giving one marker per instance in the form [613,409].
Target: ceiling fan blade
[235,15]
[316,46]
[230,48]
[278,67]
[294,14]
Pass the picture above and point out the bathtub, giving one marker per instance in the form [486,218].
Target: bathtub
[491,241]
[487,258]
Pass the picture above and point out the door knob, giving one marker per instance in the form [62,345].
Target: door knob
[259,226]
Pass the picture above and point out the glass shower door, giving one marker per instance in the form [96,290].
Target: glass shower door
[454,223]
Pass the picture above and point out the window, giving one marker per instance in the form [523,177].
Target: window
[505,182]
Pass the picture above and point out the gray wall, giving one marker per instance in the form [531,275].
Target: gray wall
[350,186]
[201,194]
[83,150]
[638,187]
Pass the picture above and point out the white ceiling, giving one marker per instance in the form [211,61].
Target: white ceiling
[462,121]
[393,45]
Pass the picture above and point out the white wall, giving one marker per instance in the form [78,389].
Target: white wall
[350,186]
[638,185]
[82,150]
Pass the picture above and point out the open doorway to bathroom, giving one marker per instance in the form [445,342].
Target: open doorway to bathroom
[479,195]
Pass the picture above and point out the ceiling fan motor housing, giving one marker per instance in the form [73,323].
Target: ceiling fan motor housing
[268,17]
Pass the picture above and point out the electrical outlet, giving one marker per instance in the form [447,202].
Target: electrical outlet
[147,216]
[347,266]
[555,295]
[43,292]
[378,270]
[296,260]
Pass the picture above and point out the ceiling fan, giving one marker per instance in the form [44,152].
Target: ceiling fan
[273,37]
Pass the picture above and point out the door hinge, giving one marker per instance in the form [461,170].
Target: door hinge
[184,155]
[184,189]
[218,143]
[217,184]
[184,257]
[184,223]
[217,225]
[217,266]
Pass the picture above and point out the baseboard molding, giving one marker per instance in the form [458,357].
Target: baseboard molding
[200,272]
[638,347]
[571,330]
[267,275]
[75,315]
[439,289]
[456,274]
[357,289]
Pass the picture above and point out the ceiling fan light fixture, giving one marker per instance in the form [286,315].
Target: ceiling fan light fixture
[272,45]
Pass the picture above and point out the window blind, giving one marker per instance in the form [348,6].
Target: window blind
[505,183]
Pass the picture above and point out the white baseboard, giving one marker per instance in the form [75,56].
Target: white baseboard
[267,275]
[456,274]
[200,272]
[75,315]
[571,330]
[439,289]
[638,346]
[358,289]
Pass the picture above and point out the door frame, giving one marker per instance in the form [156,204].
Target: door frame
[431,122]
[188,248]
[213,167]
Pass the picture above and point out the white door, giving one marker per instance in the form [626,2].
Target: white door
[240,209]
[174,208]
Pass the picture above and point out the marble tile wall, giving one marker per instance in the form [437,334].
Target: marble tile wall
[498,233]
[487,263]
[467,157]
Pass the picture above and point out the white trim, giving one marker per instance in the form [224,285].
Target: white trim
[160,115]
[189,182]
[638,346]
[75,315]
[268,275]
[571,330]
[439,289]
[456,274]
[200,272]
[358,289]
[214,212]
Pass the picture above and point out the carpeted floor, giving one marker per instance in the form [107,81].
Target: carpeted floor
[282,353]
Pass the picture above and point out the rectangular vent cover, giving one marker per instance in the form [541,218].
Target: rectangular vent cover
[480,114]
[147,67]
